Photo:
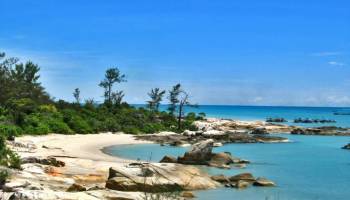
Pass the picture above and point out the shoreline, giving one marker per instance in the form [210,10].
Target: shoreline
[80,146]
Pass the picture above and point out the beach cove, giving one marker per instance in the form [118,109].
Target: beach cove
[88,158]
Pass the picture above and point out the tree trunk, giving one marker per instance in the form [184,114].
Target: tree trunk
[180,116]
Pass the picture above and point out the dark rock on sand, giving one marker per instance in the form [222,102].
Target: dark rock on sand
[76,188]
[259,131]
[44,161]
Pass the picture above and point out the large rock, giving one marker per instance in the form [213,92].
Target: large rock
[200,153]
[221,179]
[168,159]
[165,178]
[263,182]
[346,146]
[248,177]
[44,161]
[86,195]
[221,160]
[259,131]
[242,184]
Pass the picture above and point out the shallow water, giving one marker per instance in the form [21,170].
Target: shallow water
[309,168]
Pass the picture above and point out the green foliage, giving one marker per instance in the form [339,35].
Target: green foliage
[7,157]
[7,130]
[25,107]
[3,176]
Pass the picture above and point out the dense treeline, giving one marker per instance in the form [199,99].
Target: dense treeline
[26,108]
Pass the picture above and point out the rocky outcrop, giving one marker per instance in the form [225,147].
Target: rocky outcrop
[263,182]
[168,159]
[164,178]
[276,120]
[86,195]
[201,154]
[324,130]
[309,121]
[220,138]
[44,161]
[259,131]
[346,146]
[241,181]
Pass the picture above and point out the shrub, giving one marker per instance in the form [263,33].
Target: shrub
[3,176]
[48,108]
[40,129]
[131,130]
[57,126]
[8,158]
[10,130]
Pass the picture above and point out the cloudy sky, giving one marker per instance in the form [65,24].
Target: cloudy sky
[249,52]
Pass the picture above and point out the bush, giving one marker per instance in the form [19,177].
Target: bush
[131,130]
[57,126]
[8,158]
[10,130]
[152,128]
[3,177]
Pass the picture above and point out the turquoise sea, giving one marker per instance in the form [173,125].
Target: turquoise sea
[262,112]
[308,168]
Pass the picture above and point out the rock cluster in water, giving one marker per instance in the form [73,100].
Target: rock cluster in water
[347,146]
[309,121]
[221,132]
[244,180]
[277,120]
[324,130]
[201,154]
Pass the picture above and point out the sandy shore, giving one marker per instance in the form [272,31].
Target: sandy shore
[78,146]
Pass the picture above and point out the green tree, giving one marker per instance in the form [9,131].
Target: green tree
[156,96]
[76,95]
[178,100]
[174,98]
[112,76]
[117,97]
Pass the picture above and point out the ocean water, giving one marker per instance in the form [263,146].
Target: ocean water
[263,112]
[308,168]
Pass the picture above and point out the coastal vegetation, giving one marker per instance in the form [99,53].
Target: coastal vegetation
[27,108]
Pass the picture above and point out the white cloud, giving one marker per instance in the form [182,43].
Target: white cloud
[257,99]
[338,100]
[335,63]
[326,53]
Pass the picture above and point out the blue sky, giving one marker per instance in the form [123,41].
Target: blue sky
[250,52]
